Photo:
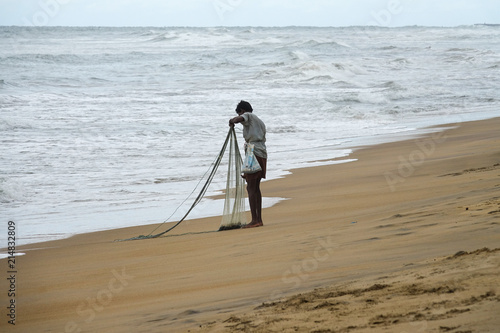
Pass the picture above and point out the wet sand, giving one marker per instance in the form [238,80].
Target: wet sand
[404,239]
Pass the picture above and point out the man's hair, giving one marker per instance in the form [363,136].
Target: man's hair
[245,106]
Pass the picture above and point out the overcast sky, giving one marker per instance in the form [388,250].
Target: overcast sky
[248,12]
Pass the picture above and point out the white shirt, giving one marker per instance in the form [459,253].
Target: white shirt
[254,131]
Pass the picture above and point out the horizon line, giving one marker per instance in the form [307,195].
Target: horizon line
[249,26]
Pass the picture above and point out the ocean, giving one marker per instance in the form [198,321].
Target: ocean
[102,128]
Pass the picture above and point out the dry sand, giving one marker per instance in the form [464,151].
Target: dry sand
[405,239]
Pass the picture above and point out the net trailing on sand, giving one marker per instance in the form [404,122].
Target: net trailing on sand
[233,216]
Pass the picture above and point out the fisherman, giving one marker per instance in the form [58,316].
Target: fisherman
[254,131]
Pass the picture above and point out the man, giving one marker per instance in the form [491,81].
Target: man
[254,131]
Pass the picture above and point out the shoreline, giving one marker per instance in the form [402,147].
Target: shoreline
[386,138]
[376,140]
[400,204]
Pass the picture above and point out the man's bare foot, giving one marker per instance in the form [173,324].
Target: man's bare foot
[253,225]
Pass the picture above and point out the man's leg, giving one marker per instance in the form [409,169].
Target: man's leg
[255,200]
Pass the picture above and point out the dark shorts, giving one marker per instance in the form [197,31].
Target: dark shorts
[262,173]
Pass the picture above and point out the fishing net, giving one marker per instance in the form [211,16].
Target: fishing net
[234,202]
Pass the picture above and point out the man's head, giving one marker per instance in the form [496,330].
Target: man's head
[243,106]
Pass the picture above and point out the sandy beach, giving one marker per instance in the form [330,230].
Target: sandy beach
[405,239]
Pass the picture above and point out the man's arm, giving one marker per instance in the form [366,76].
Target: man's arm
[236,120]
